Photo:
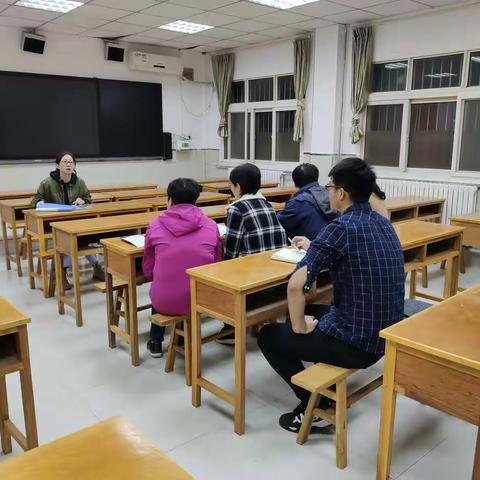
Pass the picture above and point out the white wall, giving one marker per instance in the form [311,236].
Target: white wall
[188,108]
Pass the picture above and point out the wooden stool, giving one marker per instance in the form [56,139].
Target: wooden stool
[15,357]
[331,382]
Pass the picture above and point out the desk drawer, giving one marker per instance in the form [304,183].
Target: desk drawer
[440,384]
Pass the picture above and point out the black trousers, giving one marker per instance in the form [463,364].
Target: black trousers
[285,350]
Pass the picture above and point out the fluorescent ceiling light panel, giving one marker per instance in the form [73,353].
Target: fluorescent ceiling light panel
[282,4]
[395,66]
[62,6]
[185,27]
[475,59]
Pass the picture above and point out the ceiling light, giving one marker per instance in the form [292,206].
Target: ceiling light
[440,75]
[475,59]
[282,4]
[185,27]
[395,66]
[62,6]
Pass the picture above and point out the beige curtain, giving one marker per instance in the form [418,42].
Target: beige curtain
[362,47]
[301,76]
[223,66]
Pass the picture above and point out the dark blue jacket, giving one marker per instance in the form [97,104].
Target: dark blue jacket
[307,212]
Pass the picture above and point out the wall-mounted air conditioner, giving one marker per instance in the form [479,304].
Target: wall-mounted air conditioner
[150,62]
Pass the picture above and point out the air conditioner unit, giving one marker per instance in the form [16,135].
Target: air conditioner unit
[150,62]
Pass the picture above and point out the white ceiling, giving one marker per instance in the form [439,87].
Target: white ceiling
[237,23]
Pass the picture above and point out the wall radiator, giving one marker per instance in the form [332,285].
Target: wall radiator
[270,175]
[459,198]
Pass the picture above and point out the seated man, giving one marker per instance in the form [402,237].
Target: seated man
[365,259]
[180,238]
[308,211]
[63,186]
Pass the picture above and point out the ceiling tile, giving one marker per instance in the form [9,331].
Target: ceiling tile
[360,3]
[441,3]
[172,11]
[3,7]
[86,22]
[206,48]
[123,28]
[204,4]
[131,5]
[311,24]
[202,39]
[246,10]
[282,32]
[249,26]
[62,28]
[30,13]
[397,8]
[98,33]
[139,39]
[282,18]
[19,22]
[102,13]
[227,44]
[8,2]
[252,38]
[320,9]
[174,44]
[352,16]
[145,20]
[214,19]
[223,33]
[162,34]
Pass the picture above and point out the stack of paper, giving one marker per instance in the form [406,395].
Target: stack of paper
[289,255]
[58,207]
[136,240]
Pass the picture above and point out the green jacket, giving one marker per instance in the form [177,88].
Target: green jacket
[52,189]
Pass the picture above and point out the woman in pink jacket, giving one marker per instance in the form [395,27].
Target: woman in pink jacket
[180,238]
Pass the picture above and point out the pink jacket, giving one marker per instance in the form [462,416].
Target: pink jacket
[180,238]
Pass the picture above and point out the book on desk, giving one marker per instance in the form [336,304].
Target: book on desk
[59,207]
[290,255]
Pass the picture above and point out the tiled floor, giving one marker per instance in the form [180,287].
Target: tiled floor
[78,381]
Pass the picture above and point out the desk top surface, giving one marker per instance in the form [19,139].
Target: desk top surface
[203,198]
[412,201]
[473,218]
[109,450]
[416,232]
[126,194]
[226,185]
[10,316]
[204,181]
[19,203]
[123,186]
[278,191]
[449,329]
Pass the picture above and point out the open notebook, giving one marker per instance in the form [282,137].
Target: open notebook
[136,240]
[289,255]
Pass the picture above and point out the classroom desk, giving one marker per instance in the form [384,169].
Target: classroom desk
[205,198]
[110,450]
[122,195]
[401,209]
[38,228]
[278,194]
[434,358]
[471,223]
[120,259]
[224,187]
[221,290]
[122,186]
[206,181]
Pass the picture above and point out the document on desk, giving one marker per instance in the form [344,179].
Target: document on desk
[289,255]
[58,207]
[136,240]
[222,229]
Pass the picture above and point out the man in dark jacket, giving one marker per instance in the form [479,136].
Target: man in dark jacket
[308,211]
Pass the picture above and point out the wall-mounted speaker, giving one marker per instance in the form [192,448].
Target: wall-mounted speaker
[167,145]
[33,43]
[114,52]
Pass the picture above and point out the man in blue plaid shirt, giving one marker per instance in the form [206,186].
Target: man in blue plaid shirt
[363,253]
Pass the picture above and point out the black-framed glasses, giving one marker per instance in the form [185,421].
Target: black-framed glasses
[329,185]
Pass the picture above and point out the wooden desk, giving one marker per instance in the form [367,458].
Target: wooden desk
[224,187]
[123,195]
[407,208]
[110,450]
[279,194]
[221,290]
[12,194]
[38,228]
[15,357]
[205,198]
[204,181]
[471,223]
[434,358]
[122,186]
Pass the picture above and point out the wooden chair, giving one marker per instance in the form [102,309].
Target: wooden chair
[330,381]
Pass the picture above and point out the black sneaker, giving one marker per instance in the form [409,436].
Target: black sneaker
[292,421]
[155,348]
[227,339]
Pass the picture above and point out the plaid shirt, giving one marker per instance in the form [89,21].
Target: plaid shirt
[365,259]
[252,227]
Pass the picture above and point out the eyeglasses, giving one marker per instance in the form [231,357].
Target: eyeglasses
[67,162]
[329,185]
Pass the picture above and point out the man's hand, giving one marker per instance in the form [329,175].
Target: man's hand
[311,324]
[79,201]
[302,243]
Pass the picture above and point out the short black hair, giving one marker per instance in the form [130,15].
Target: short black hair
[356,177]
[248,176]
[304,174]
[59,157]
[183,190]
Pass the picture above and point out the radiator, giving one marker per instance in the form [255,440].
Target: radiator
[270,175]
[459,198]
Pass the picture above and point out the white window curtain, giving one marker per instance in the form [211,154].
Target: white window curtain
[301,75]
[223,67]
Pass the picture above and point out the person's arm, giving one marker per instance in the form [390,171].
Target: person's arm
[234,234]
[148,256]
[326,250]
[84,196]
[39,195]
[218,256]
[289,217]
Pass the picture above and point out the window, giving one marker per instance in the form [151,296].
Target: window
[260,90]
[437,72]
[285,88]
[389,77]
[383,134]
[237,129]
[237,93]
[263,135]
[474,76]
[286,149]
[470,148]
[432,127]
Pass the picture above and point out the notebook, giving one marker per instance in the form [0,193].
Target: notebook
[289,255]
[222,229]
[136,240]
[58,207]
